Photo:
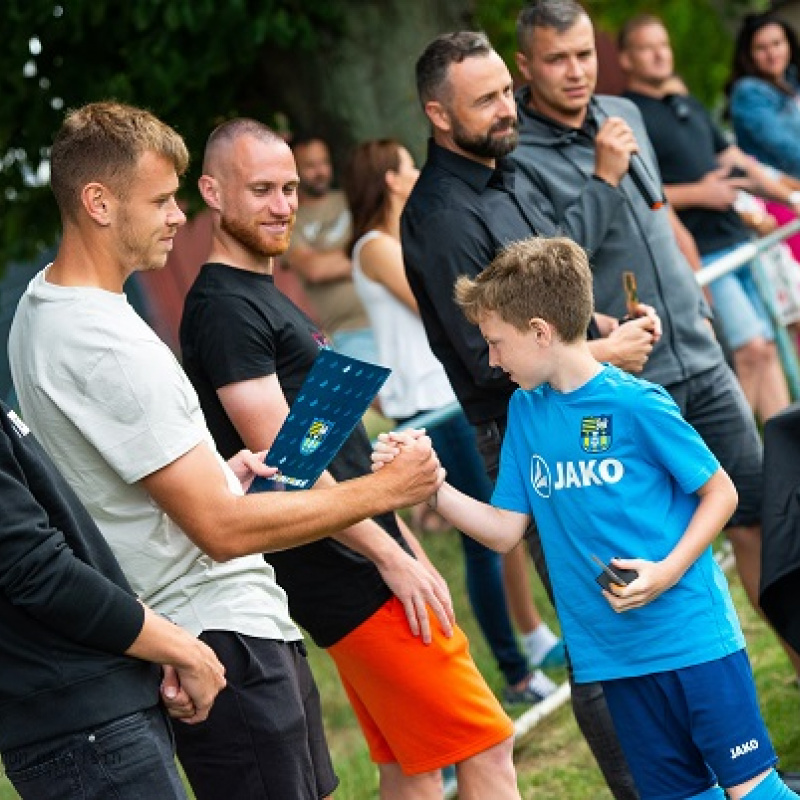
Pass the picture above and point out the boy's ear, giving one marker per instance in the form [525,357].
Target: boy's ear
[541,330]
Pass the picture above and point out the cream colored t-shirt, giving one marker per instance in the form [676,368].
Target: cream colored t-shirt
[110,403]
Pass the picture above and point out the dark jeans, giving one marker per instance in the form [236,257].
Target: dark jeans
[128,759]
[715,406]
[456,446]
[588,700]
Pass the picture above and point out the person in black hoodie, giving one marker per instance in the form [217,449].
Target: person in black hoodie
[79,703]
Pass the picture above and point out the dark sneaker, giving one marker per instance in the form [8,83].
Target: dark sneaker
[534,691]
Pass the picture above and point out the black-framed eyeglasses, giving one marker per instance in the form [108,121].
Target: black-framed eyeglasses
[679,106]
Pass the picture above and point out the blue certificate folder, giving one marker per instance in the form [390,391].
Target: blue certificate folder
[331,402]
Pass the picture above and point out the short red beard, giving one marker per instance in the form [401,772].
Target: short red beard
[248,237]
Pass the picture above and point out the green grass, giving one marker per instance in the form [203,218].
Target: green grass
[552,760]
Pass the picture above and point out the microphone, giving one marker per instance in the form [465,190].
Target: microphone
[637,169]
[645,182]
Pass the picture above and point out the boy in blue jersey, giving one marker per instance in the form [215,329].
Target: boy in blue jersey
[608,467]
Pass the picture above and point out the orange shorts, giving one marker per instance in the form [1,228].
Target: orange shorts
[420,706]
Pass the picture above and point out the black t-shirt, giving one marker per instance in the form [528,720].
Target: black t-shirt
[238,326]
[687,142]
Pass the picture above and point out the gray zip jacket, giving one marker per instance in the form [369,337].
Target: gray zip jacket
[619,231]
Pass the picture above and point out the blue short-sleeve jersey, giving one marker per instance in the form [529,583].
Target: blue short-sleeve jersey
[611,469]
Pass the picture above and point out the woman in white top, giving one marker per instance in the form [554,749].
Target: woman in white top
[378,181]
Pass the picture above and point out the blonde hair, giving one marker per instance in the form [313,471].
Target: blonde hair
[103,142]
[540,277]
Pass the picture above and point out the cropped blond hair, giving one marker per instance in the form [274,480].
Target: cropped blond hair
[103,142]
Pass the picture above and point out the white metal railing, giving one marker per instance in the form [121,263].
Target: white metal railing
[745,252]
[750,252]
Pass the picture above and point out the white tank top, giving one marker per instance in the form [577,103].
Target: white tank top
[418,381]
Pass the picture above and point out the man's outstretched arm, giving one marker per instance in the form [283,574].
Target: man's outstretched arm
[194,491]
[257,408]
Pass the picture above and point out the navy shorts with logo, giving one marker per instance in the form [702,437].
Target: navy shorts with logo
[685,730]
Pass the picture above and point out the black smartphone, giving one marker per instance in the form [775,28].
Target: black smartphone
[609,575]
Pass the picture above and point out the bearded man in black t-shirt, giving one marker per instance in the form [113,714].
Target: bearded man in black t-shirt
[367,594]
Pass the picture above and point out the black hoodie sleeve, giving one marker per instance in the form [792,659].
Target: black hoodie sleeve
[40,574]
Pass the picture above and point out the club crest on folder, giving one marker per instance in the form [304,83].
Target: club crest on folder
[596,434]
[315,436]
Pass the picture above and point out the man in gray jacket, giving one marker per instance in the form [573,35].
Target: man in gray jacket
[578,152]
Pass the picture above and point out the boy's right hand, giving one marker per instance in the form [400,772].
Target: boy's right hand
[390,445]
[413,464]
[387,446]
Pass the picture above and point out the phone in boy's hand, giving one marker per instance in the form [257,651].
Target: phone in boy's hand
[609,575]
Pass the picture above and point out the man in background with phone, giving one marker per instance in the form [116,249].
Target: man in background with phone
[703,175]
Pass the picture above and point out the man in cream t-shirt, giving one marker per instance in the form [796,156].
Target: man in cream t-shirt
[113,407]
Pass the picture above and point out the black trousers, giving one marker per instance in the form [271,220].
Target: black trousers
[263,739]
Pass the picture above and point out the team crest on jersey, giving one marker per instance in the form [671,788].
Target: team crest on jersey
[596,434]
[315,436]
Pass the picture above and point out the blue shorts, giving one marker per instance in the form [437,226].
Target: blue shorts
[738,308]
[684,731]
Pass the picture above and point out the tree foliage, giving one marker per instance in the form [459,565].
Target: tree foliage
[343,68]
[192,62]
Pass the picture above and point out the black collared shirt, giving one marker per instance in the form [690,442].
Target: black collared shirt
[459,216]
